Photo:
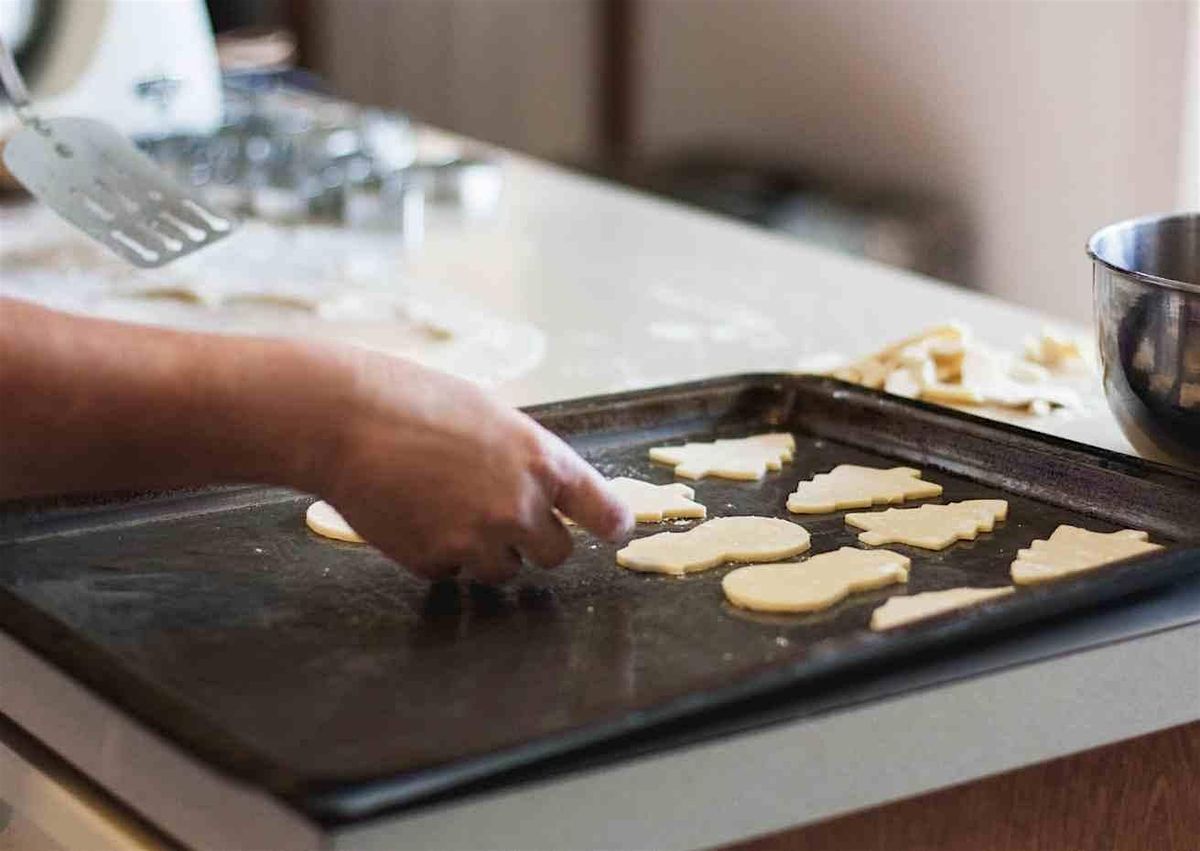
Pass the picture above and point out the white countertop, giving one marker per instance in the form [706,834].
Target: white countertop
[632,292]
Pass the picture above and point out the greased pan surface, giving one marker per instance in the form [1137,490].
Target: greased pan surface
[322,673]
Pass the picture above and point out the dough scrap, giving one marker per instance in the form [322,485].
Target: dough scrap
[325,520]
[652,503]
[851,486]
[725,539]
[932,527]
[816,584]
[746,458]
[1070,550]
[1058,351]
[898,611]
[941,345]
[1002,379]
[944,365]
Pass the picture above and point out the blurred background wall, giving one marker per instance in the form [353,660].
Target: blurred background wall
[1036,121]
[1044,120]
[521,73]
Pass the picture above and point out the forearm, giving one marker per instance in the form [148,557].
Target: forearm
[90,405]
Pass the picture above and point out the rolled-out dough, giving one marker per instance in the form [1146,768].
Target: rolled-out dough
[898,611]
[309,280]
[816,584]
[932,527]
[1070,550]
[746,458]
[851,486]
[726,539]
[325,520]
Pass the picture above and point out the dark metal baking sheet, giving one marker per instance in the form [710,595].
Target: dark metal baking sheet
[320,672]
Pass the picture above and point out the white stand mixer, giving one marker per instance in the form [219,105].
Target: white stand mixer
[148,67]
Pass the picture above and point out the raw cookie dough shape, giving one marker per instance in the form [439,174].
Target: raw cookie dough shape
[652,503]
[932,527]
[851,486]
[725,539]
[745,458]
[1070,550]
[898,611]
[816,584]
[325,520]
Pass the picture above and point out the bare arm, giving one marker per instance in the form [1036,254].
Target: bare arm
[427,467]
[92,405]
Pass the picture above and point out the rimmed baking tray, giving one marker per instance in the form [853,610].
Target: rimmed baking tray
[322,673]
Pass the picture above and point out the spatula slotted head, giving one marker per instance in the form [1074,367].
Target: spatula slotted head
[97,180]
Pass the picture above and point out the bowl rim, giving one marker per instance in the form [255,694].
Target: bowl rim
[1144,277]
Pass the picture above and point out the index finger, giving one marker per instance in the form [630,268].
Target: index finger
[583,495]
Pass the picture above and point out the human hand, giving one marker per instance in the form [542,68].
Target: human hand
[427,467]
[441,477]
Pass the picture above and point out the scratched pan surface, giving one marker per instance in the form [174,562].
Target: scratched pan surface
[322,673]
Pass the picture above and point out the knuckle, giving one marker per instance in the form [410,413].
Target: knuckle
[542,460]
[454,550]
[500,520]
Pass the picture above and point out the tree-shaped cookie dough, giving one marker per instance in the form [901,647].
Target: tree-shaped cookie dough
[851,486]
[746,458]
[1070,550]
[932,527]
[652,503]
[726,539]
[816,584]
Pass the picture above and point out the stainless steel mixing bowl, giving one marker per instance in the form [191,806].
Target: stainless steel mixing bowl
[1147,297]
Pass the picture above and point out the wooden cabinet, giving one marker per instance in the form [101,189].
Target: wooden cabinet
[1138,795]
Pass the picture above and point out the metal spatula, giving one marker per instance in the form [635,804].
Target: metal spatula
[98,181]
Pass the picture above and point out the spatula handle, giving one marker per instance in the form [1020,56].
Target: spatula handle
[14,83]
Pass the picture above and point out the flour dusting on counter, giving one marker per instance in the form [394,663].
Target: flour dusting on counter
[688,319]
[309,281]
